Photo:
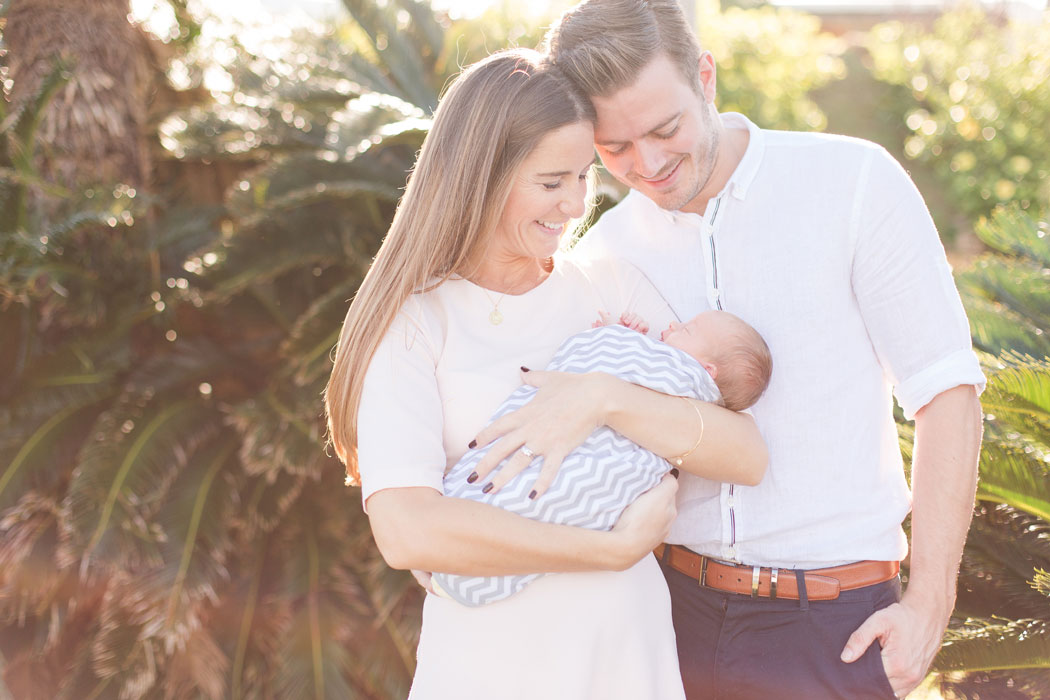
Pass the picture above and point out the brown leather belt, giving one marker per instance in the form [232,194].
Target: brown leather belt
[772,583]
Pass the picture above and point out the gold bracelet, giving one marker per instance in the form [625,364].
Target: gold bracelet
[678,460]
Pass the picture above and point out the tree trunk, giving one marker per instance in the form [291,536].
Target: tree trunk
[94,130]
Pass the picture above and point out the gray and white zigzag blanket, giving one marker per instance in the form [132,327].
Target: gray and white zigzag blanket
[602,476]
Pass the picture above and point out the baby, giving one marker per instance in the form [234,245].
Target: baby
[714,357]
[731,351]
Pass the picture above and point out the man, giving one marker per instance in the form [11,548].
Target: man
[823,244]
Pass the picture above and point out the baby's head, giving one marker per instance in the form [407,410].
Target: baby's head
[730,350]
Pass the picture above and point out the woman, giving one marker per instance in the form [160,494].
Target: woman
[465,289]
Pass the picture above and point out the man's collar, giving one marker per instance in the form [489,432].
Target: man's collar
[747,168]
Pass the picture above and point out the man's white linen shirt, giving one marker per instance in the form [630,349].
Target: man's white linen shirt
[824,245]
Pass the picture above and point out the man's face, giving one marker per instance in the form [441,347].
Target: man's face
[661,137]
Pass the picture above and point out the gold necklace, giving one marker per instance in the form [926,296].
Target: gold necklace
[495,317]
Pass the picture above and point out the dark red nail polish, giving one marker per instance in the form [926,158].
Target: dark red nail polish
[472,444]
[532,494]
[488,487]
[675,472]
[525,369]
[472,478]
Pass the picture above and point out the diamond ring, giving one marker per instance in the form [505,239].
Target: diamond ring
[527,452]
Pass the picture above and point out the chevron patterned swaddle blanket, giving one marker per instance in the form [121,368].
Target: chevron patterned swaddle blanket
[602,476]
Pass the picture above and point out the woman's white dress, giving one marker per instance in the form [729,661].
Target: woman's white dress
[439,374]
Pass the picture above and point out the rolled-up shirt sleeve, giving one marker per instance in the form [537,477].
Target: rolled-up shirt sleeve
[400,418]
[904,287]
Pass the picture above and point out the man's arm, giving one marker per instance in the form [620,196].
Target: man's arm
[944,479]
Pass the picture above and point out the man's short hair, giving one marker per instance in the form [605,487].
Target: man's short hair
[603,45]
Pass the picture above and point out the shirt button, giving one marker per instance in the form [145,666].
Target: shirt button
[731,501]
[731,553]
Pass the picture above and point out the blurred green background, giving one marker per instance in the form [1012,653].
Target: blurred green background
[189,195]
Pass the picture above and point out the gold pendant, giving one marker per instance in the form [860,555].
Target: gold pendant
[495,318]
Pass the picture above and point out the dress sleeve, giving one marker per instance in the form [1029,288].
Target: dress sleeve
[905,290]
[400,420]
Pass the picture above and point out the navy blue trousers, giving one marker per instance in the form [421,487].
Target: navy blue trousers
[734,647]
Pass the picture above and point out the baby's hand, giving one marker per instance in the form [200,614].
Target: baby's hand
[634,322]
[604,319]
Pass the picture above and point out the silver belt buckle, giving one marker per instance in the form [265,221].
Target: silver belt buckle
[703,571]
[756,576]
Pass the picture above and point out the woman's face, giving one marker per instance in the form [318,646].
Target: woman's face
[548,190]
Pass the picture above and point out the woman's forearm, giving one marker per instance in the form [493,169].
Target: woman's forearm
[731,450]
[417,528]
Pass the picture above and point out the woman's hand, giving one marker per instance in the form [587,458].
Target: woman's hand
[646,522]
[565,410]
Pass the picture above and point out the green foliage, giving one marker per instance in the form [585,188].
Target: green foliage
[972,95]
[170,523]
[1000,639]
[769,61]
[18,145]
[505,23]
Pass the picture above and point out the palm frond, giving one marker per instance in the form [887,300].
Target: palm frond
[368,120]
[315,333]
[71,376]
[120,476]
[36,454]
[1016,478]
[1018,233]
[184,363]
[266,249]
[1022,386]
[18,136]
[1041,582]
[194,520]
[120,652]
[295,172]
[995,645]
[1019,285]
[29,580]
[996,327]
[1015,684]
[198,667]
[45,421]
[22,123]
[57,665]
[266,498]
[314,658]
[408,60]
[184,230]
[251,616]
[282,432]
[384,658]
[16,327]
[340,193]
[1004,551]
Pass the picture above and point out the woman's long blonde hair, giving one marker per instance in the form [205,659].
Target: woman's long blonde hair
[492,116]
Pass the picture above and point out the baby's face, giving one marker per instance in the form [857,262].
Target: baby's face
[698,336]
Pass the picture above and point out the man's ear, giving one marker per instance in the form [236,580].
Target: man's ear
[707,76]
